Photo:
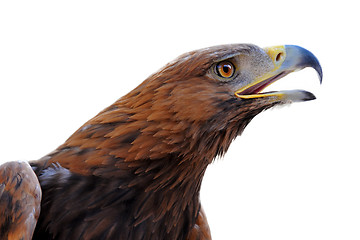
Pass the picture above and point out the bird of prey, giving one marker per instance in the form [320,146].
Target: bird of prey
[134,171]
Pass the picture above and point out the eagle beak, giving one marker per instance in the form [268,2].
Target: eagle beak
[286,59]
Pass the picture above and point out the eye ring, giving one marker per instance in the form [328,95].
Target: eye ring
[225,69]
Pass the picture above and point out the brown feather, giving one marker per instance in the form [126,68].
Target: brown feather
[20,197]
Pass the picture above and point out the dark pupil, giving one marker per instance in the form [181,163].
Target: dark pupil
[226,68]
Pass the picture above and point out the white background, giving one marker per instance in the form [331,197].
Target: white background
[293,174]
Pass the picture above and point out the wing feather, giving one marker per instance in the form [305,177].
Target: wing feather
[20,199]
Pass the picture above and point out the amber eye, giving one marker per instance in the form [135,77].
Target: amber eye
[225,69]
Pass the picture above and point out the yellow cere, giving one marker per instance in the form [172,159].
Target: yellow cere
[277,55]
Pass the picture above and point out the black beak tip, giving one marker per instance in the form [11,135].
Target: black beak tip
[301,58]
[314,63]
[319,71]
[308,96]
[311,61]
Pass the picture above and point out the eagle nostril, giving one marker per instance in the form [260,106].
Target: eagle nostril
[279,56]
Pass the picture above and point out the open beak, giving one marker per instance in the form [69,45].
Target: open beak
[286,59]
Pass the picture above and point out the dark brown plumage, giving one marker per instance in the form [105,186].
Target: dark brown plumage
[134,171]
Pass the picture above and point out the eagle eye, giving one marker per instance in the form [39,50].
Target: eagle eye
[225,69]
